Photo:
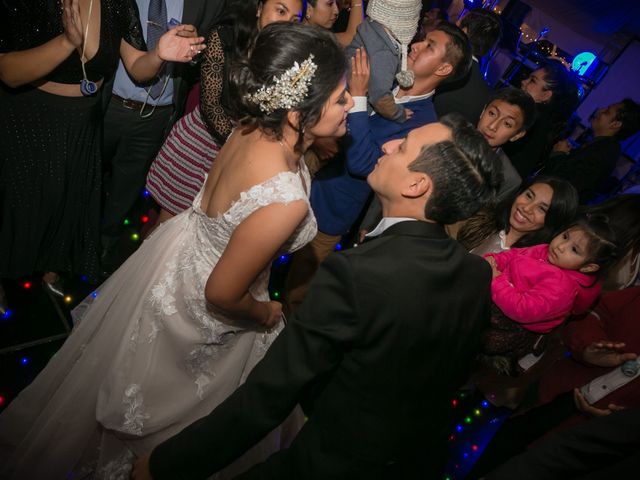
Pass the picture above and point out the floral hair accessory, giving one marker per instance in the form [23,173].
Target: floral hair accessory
[287,91]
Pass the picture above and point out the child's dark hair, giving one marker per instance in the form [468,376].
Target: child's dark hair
[522,100]
[602,245]
[484,29]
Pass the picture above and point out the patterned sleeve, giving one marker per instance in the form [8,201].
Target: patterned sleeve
[212,82]
[130,25]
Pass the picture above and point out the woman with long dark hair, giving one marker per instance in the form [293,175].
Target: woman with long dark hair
[181,324]
[538,211]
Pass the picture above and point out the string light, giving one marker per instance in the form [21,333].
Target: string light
[276,294]
[338,247]
[1,400]
[145,193]
[68,299]
[26,285]
[24,360]
[126,221]
[7,313]
[83,278]
[135,237]
[94,294]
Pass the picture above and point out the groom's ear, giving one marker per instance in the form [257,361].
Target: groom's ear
[417,185]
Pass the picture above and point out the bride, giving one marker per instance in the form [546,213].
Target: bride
[179,326]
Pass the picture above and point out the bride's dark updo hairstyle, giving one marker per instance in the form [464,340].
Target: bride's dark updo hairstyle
[278,46]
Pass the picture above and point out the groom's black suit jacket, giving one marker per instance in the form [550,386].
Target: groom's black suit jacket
[374,354]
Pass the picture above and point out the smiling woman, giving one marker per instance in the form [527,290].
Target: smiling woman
[537,212]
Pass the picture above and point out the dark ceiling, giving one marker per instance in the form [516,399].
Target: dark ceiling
[594,18]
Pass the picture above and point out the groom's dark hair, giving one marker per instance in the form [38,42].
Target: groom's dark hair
[465,171]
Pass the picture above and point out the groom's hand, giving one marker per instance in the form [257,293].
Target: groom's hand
[141,469]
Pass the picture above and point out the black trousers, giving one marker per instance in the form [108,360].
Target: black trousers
[603,448]
[131,143]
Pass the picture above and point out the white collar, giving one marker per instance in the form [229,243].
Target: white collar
[387,222]
[409,98]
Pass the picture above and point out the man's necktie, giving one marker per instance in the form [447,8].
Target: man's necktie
[156,27]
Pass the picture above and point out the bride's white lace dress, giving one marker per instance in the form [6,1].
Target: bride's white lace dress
[148,355]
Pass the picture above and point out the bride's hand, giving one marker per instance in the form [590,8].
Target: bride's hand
[273,315]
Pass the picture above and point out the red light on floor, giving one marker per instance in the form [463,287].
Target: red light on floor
[144,219]
[27,285]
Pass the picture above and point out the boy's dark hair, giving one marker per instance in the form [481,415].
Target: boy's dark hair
[522,100]
[457,51]
[629,116]
[465,172]
[484,30]
[602,246]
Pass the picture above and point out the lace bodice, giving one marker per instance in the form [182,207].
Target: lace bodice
[285,187]
[205,239]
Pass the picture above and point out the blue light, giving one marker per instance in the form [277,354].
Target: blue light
[469,4]
[582,62]
[94,294]
[7,314]
[24,360]
[459,428]
[145,194]
[83,278]
[485,404]
[338,247]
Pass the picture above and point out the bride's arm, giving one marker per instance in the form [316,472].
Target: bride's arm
[251,248]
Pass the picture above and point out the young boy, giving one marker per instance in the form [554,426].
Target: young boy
[504,119]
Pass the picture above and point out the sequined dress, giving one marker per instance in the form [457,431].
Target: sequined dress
[50,155]
[148,355]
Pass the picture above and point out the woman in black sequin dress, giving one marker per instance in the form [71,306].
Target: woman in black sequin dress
[50,134]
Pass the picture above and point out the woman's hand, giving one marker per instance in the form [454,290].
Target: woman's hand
[606,354]
[141,468]
[359,79]
[273,314]
[494,267]
[179,44]
[72,23]
[585,407]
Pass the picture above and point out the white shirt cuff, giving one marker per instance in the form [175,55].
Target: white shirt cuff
[359,105]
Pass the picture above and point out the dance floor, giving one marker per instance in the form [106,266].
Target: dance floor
[37,324]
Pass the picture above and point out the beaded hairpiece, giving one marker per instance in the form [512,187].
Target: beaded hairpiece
[287,91]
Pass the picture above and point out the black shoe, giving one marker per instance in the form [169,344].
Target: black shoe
[4,308]
[56,288]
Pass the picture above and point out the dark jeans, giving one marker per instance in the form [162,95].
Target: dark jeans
[131,143]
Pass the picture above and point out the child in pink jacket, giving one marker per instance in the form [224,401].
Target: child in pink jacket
[539,287]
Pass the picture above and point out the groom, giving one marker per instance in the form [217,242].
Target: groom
[386,335]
